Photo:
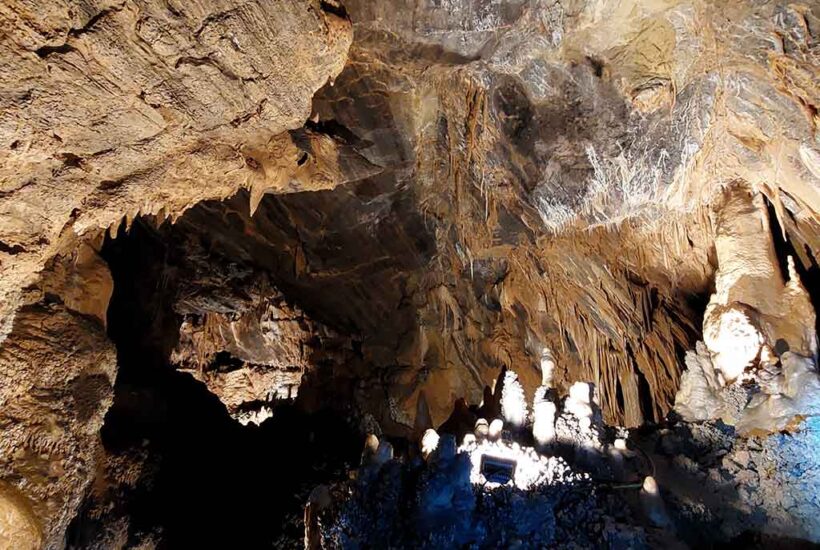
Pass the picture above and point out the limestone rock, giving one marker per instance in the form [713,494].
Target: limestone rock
[126,107]
[111,110]
[513,402]
[437,191]
[18,524]
[247,358]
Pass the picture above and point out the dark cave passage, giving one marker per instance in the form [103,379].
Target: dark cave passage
[196,477]
[201,479]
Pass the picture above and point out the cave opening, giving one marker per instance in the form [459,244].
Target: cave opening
[241,340]
[195,475]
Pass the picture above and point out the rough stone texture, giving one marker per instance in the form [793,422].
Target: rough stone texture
[18,524]
[115,108]
[247,357]
[757,365]
[698,484]
[567,159]
[719,486]
[52,414]
[239,378]
[444,503]
[478,181]
[753,306]
[110,109]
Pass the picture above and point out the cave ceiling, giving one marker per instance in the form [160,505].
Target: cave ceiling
[441,188]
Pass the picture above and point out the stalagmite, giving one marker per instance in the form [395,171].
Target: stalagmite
[734,341]
[482,429]
[495,429]
[429,443]
[758,329]
[371,447]
[579,401]
[318,501]
[513,402]
[753,306]
[543,412]
[652,503]
[547,368]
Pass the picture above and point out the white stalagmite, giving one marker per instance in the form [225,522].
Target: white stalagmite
[254,417]
[371,446]
[734,341]
[652,503]
[757,327]
[579,401]
[429,443]
[543,412]
[513,402]
[547,368]
[482,429]
[496,427]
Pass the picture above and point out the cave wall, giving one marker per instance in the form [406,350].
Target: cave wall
[115,108]
[110,109]
[456,187]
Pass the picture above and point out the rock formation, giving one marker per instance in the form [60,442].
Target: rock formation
[374,210]
[112,110]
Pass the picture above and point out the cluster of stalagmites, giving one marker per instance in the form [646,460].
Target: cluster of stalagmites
[575,482]
[442,497]
[756,367]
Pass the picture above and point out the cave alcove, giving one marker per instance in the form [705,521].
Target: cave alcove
[193,464]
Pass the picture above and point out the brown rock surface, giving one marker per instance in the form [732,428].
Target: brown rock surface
[110,109]
[564,158]
[448,187]
[248,358]
[18,524]
[114,109]
[58,370]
